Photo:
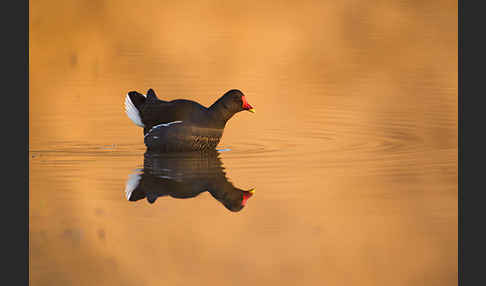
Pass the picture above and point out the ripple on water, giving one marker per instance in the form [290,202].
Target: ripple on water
[338,140]
[81,148]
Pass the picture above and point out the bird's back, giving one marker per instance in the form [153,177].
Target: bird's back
[159,112]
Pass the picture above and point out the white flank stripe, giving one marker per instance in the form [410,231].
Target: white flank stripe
[132,112]
[165,124]
[159,126]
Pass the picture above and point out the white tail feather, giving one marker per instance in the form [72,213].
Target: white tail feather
[132,112]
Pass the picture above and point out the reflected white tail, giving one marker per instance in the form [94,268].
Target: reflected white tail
[132,183]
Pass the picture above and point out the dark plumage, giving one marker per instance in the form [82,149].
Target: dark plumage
[183,125]
[185,175]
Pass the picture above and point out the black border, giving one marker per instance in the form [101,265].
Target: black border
[24,69]
[15,119]
[471,65]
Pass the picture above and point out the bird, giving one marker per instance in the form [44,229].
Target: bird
[185,175]
[183,125]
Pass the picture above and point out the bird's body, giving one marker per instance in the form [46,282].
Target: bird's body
[179,136]
[182,125]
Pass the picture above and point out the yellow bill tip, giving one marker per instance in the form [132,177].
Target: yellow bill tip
[252,110]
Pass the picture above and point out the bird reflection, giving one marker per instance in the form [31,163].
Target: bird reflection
[185,175]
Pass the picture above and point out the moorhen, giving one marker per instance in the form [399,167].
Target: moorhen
[182,125]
